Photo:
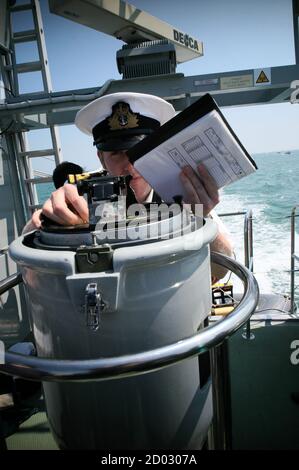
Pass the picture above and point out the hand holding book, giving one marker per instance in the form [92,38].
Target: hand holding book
[199,189]
[199,134]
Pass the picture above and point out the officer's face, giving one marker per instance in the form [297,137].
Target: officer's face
[117,164]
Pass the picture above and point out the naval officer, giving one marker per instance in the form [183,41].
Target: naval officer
[117,122]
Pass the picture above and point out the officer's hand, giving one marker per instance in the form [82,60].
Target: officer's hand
[66,207]
[200,189]
[33,223]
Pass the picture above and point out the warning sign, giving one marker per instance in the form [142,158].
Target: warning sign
[262,77]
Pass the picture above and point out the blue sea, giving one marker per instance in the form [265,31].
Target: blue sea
[271,193]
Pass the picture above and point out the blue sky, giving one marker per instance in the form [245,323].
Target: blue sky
[236,35]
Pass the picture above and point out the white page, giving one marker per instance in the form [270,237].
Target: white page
[207,141]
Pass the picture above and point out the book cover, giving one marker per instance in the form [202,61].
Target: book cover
[199,134]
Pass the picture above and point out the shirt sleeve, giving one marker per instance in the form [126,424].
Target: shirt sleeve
[221,226]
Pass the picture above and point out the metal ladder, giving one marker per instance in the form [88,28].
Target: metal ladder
[11,72]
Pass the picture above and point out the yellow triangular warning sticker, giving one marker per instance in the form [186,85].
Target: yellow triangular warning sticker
[262,78]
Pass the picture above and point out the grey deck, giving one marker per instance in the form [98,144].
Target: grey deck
[33,434]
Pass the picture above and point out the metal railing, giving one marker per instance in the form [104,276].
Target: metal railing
[10,282]
[248,246]
[248,240]
[247,235]
[294,257]
[211,338]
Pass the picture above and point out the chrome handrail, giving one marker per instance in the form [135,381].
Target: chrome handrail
[247,235]
[10,282]
[50,370]
[248,253]
[248,249]
[248,240]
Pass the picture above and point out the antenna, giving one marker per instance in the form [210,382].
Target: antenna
[153,47]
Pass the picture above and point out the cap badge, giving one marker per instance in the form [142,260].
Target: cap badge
[122,117]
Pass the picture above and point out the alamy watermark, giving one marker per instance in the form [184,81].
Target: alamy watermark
[294,357]
[294,98]
[157,221]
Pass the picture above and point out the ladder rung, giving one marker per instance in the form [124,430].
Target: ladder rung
[25,36]
[29,67]
[44,179]
[35,206]
[37,153]
[26,6]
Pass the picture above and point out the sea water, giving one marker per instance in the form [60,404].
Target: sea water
[271,193]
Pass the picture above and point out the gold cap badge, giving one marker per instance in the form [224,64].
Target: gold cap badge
[122,117]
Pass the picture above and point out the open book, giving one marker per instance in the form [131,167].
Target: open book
[199,134]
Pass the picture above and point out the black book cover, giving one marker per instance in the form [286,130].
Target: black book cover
[197,110]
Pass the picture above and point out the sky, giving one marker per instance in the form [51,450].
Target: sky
[237,35]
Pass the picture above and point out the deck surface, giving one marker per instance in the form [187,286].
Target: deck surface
[33,434]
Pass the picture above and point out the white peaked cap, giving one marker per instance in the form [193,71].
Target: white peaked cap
[147,105]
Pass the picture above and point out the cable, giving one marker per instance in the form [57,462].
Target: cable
[9,91]
[58,99]
[5,130]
